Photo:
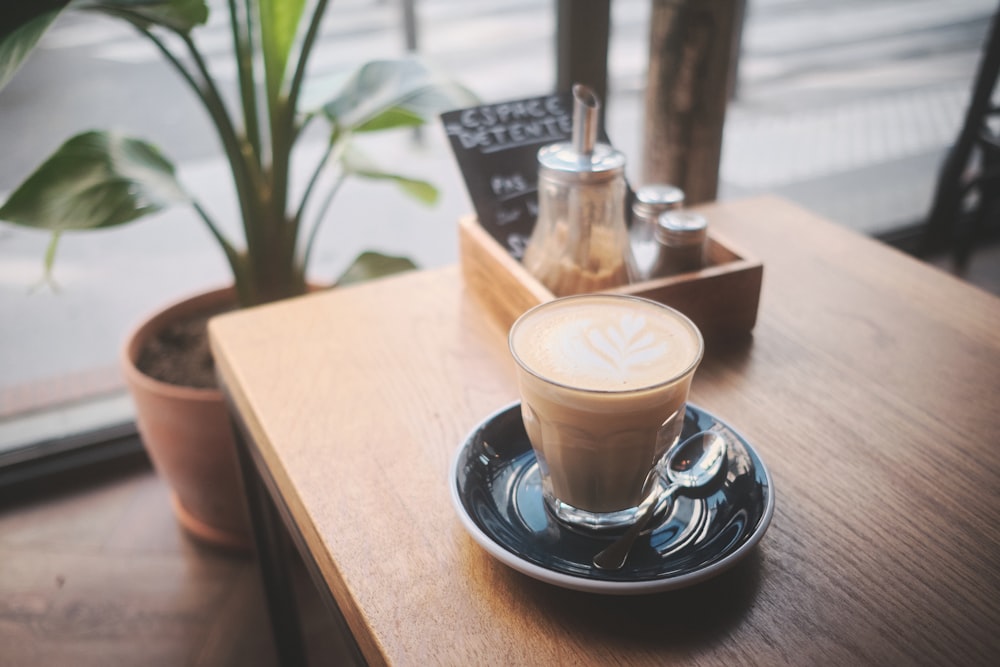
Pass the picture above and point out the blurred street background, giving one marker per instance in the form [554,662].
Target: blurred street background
[844,107]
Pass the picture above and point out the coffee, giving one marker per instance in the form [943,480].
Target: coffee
[603,380]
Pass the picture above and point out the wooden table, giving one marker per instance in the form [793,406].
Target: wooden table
[869,386]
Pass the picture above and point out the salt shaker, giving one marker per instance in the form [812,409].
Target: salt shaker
[580,242]
[650,201]
[680,237]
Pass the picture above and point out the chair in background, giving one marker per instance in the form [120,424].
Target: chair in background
[967,197]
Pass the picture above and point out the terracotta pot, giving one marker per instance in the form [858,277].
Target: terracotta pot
[188,436]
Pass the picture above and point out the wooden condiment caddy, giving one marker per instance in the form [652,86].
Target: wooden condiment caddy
[721,299]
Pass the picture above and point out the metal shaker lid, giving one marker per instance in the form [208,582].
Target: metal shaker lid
[583,160]
[681,228]
[654,199]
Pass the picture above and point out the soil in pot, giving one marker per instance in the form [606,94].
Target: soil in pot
[180,354]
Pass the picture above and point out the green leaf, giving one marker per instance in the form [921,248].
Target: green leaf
[370,265]
[279,23]
[96,179]
[394,117]
[179,15]
[30,23]
[422,191]
[355,163]
[393,86]
[19,42]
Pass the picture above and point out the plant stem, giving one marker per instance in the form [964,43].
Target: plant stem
[208,94]
[243,170]
[283,130]
[295,89]
[317,172]
[243,48]
[337,146]
[232,256]
[264,238]
[270,266]
[318,222]
[210,99]
[50,256]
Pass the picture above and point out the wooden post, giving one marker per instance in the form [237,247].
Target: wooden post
[582,33]
[692,62]
[410,25]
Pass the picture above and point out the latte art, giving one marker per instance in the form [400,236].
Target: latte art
[615,349]
[607,344]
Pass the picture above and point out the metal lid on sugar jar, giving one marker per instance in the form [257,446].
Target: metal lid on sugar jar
[582,160]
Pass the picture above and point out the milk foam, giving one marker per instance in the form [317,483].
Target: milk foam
[606,344]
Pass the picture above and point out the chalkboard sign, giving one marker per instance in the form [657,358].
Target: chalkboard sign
[496,146]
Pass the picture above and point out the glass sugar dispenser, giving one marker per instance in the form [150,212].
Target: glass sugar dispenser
[580,242]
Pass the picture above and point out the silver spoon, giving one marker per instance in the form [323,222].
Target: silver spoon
[690,465]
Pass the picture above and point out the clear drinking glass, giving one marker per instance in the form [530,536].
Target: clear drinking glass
[604,381]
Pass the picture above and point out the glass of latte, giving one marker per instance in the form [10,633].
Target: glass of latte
[603,380]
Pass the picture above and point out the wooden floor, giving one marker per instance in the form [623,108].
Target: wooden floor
[98,573]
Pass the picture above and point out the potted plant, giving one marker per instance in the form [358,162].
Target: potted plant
[100,179]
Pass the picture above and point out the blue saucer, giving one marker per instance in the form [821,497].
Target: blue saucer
[496,489]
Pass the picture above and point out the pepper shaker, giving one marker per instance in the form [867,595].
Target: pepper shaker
[650,201]
[680,237]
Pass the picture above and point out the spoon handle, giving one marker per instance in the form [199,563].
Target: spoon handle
[614,556]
